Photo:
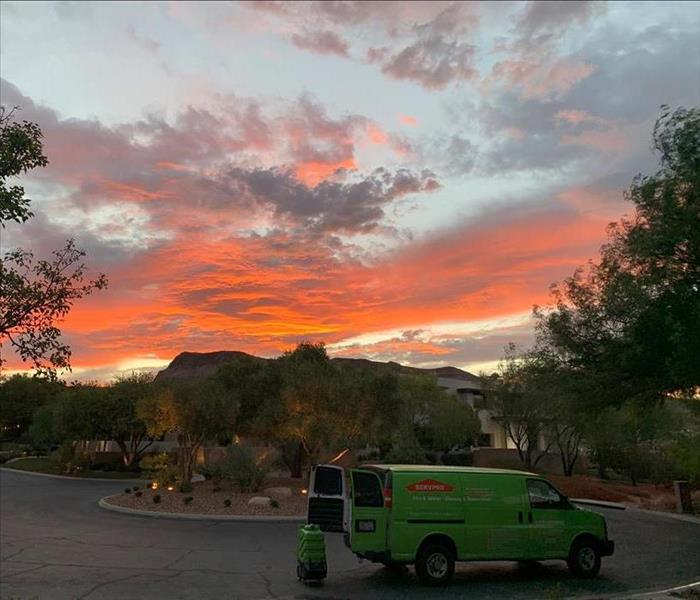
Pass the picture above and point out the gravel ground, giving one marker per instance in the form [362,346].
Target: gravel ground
[205,501]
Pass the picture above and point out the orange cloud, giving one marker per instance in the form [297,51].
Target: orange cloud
[408,120]
[313,172]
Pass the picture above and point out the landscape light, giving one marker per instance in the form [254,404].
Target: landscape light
[171,488]
[304,491]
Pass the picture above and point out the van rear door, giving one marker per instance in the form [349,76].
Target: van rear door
[369,514]
[327,496]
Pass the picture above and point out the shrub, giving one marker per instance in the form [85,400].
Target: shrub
[227,502]
[185,487]
[152,464]
[138,494]
[188,499]
[407,451]
[156,499]
[274,503]
[210,471]
[127,490]
[167,476]
[241,468]
[135,488]
[216,488]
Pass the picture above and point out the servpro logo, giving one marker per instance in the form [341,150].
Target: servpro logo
[430,485]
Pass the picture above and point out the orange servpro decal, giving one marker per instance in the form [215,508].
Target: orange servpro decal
[430,485]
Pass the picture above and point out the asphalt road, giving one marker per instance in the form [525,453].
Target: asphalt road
[57,543]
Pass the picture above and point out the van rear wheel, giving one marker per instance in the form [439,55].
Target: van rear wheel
[435,564]
[584,558]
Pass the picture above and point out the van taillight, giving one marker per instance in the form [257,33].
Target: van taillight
[387,497]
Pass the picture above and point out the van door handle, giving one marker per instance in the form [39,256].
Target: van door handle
[529,517]
[520,517]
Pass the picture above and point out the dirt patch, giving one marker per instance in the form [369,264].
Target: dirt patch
[206,501]
[653,497]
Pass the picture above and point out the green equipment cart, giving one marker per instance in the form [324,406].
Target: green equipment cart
[311,554]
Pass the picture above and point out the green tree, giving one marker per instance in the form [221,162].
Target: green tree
[21,397]
[631,320]
[34,294]
[123,423]
[425,418]
[196,410]
[20,151]
[316,414]
[521,404]
[254,384]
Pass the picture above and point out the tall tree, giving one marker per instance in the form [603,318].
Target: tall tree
[34,294]
[631,320]
[195,410]
[521,404]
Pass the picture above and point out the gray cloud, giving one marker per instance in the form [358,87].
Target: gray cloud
[352,206]
[321,42]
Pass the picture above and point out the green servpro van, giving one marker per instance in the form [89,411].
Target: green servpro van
[432,516]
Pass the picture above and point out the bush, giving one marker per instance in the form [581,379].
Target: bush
[167,476]
[274,503]
[185,487]
[152,464]
[135,488]
[227,502]
[241,468]
[406,451]
[210,471]
[156,499]
[216,488]
[127,490]
[138,494]
[188,499]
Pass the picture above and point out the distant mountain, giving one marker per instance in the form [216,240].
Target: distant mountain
[202,364]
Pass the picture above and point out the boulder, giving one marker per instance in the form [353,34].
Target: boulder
[259,501]
[278,492]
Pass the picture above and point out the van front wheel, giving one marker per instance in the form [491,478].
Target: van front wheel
[584,559]
[435,564]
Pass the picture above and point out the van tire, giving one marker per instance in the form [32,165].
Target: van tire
[435,564]
[584,558]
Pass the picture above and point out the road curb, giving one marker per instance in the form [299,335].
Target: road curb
[661,594]
[634,509]
[102,503]
[105,479]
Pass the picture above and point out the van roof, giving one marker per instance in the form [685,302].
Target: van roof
[445,469]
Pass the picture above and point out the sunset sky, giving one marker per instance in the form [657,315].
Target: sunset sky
[402,181]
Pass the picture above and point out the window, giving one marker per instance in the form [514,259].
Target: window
[543,495]
[366,490]
[485,440]
[328,481]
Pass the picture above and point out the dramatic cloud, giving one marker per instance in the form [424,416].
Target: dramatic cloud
[408,196]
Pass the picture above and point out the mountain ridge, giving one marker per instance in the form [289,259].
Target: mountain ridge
[201,364]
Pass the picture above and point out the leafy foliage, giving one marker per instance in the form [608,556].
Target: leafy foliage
[20,151]
[242,469]
[631,320]
[34,294]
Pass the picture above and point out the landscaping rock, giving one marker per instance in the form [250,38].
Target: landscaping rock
[278,492]
[260,500]
[196,478]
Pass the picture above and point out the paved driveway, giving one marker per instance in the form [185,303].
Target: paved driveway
[57,543]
